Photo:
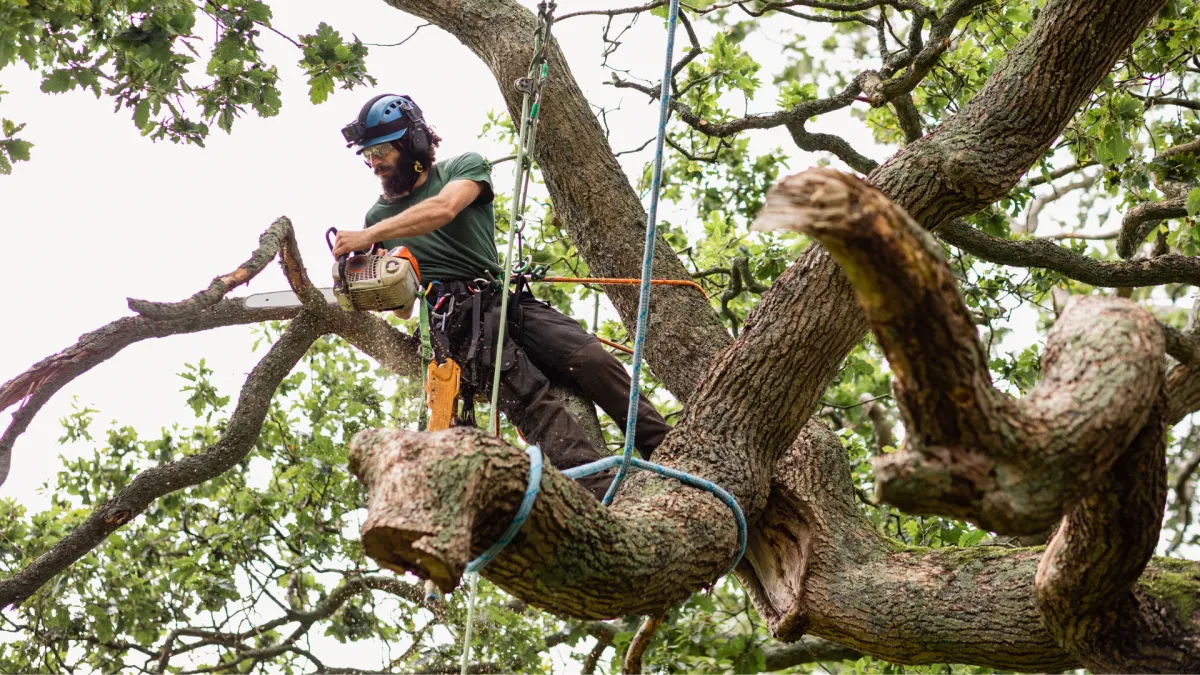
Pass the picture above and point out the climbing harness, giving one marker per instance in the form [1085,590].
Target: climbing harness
[531,87]
[443,376]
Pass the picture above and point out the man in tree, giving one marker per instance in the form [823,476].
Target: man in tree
[443,213]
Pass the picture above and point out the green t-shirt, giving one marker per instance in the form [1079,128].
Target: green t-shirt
[464,248]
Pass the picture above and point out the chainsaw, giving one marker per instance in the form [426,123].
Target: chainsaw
[365,282]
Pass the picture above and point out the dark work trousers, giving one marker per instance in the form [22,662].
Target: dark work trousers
[542,346]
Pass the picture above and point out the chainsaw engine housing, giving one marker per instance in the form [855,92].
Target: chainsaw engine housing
[376,283]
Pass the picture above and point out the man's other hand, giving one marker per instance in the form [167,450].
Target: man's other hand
[349,241]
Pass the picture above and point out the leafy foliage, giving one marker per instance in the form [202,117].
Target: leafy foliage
[144,56]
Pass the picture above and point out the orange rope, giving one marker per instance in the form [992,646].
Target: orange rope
[630,282]
[615,345]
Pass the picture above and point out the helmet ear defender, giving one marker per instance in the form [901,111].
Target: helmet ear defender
[418,137]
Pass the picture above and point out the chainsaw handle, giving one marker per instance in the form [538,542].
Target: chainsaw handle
[341,259]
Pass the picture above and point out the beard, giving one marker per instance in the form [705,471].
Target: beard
[399,179]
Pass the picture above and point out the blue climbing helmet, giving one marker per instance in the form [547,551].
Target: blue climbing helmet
[389,118]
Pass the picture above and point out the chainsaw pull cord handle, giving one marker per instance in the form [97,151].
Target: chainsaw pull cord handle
[341,259]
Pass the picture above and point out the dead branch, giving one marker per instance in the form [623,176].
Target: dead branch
[269,243]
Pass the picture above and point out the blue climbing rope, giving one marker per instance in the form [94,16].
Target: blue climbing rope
[664,113]
[531,493]
[535,481]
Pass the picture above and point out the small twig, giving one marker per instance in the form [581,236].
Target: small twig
[397,44]
[637,149]
[848,407]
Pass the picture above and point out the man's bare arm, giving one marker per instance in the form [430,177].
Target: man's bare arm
[422,218]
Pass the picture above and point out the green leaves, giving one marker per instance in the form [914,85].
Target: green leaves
[203,398]
[1114,146]
[329,60]
[1193,202]
[794,93]
[58,81]
[142,55]
[12,149]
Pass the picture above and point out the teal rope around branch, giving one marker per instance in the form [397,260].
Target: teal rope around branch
[535,481]
[685,478]
[531,493]
[664,114]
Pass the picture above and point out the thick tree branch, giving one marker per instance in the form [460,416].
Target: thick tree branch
[437,500]
[817,567]
[1163,269]
[1183,392]
[835,145]
[235,443]
[908,116]
[1017,466]
[1086,581]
